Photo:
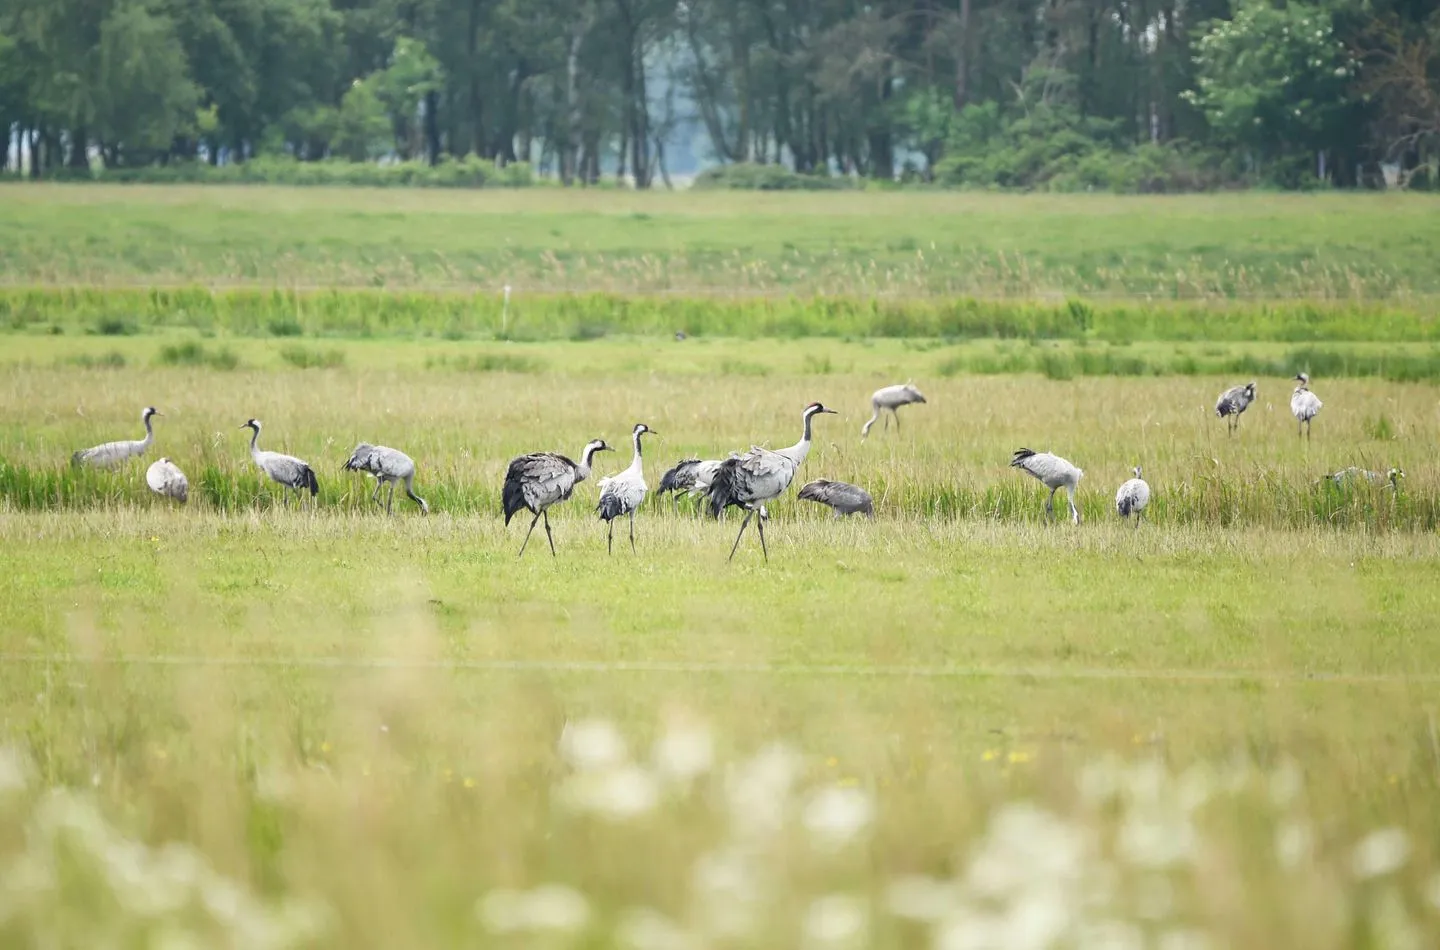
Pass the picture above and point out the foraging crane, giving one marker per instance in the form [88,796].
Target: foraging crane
[621,494]
[891,398]
[691,476]
[284,470]
[842,497]
[1347,476]
[1304,404]
[165,478]
[758,476]
[1132,497]
[1054,473]
[113,453]
[388,466]
[541,479]
[1233,402]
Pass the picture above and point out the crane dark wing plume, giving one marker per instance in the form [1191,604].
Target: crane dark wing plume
[679,478]
[724,490]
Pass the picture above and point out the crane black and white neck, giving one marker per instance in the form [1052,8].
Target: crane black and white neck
[1233,402]
[113,453]
[1304,404]
[541,479]
[842,497]
[890,398]
[388,466]
[758,476]
[624,492]
[1132,497]
[165,478]
[284,470]
[1054,473]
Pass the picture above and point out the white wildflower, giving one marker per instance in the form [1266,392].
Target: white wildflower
[1155,837]
[684,751]
[1286,783]
[759,789]
[1294,843]
[1182,939]
[1039,916]
[549,907]
[968,930]
[1154,897]
[920,897]
[592,744]
[835,816]
[616,794]
[1023,846]
[643,928]
[836,920]
[1380,852]
[1109,935]
[14,770]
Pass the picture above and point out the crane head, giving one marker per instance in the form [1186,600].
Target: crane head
[149,411]
[914,394]
[1303,377]
[641,428]
[597,445]
[815,408]
[251,424]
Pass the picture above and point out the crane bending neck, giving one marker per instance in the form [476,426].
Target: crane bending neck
[636,461]
[254,438]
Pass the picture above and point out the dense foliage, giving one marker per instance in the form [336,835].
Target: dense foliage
[1126,95]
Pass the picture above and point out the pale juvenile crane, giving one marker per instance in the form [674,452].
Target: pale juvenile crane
[1304,404]
[1233,402]
[891,398]
[622,493]
[842,497]
[1132,497]
[1054,473]
[165,478]
[284,470]
[389,466]
[1353,474]
[113,453]
[758,476]
[541,479]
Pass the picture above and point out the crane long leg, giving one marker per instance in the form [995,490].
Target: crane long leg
[548,536]
[632,532]
[610,538]
[390,500]
[1074,512]
[528,533]
[375,495]
[1050,504]
[896,414]
[760,523]
[743,525]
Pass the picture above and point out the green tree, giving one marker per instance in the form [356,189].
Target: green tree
[143,94]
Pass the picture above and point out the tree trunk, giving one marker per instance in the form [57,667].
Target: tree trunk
[569,151]
[79,142]
[477,102]
[432,126]
[640,116]
[962,58]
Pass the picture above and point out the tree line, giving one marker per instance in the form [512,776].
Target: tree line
[1123,94]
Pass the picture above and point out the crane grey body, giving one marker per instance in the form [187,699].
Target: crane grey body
[1233,402]
[1353,474]
[842,497]
[890,398]
[113,453]
[758,476]
[389,466]
[1054,473]
[1132,497]
[284,470]
[1304,404]
[691,477]
[624,492]
[165,478]
[541,479]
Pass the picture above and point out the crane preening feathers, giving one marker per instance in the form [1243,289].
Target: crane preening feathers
[165,478]
[890,398]
[388,466]
[1132,497]
[1233,402]
[758,476]
[1304,404]
[621,494]
[113,453]
[539,480]
[1054,473]
[284,470]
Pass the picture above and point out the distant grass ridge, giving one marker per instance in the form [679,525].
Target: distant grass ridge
[577,316]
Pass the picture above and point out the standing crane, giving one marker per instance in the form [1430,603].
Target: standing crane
[1304,404]
[388,466]
[1132,497]
[891,398]
[165,478]
[284,470]
[758,476]
[1233,402]
[1054,473]
[541,479]
[842,497]
[113,453]
[621,494]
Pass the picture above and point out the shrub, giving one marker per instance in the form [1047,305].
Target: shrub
[468,172]
[304,357]
[747,176]
[191,353]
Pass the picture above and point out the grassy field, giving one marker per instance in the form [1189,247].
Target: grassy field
[1243,246]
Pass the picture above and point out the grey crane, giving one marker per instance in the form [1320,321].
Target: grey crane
[1304,404]
[1054,473]
[1132,497]
[691,477]
[842,497]
[539,480]
[284,470]
[1353,474]
[389,466]
[758,476]
[1233,402]
[622,493]
[891,398]
[113,453]
[165,478]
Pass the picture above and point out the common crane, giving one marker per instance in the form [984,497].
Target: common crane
[113,453]
[690,476]
[541,479]
[388,466]
[1054,473]
[165,478]
[758,476]
[891,398]
[1132,497]
[284,470]
[842,497]
[1304,404]
[1233,402]
[1353,474]
[621,494]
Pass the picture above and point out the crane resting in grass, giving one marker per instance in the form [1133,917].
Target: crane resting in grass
[389,466]
[110,454]
[541,479]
